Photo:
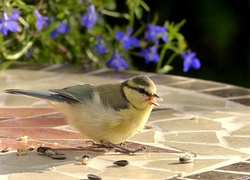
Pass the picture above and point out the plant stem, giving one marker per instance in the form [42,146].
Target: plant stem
[131,17]
[163,52]
[171,58]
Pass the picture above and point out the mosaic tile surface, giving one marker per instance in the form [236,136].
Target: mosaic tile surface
[208,120]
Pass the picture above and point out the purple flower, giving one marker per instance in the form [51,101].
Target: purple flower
[9,23]
[99,47]
[155,32]
[40,20]
[190,61]
[126,40]
[90,17]
[116,62]
[62,28]
[150,54]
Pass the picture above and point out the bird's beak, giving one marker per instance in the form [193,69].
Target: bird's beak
[153,99]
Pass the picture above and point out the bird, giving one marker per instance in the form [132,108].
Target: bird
[108,113]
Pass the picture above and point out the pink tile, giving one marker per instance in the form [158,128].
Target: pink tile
[41,121]
[14,144]
[23,112]
[39,133]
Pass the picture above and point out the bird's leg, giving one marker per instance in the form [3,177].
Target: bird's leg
[93,143]
[123,149]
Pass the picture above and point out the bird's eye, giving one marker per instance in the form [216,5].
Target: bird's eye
[141,90]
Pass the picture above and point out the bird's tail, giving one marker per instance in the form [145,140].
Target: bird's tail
[36,94]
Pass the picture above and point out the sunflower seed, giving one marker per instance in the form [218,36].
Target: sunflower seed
[50,152]
[94,177]
[186,159]
[22,151]
[31,148]
[7,149]
[121,163]
[41,150]
[58,156]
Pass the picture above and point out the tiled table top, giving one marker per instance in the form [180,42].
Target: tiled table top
[208,119]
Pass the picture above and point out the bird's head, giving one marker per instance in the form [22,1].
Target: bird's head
[140,91]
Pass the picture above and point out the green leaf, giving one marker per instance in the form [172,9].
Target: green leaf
[5,65]
[165,69]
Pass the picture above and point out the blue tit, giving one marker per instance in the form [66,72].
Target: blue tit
[107,113]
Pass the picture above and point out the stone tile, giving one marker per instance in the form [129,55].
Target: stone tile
[182,129]
[121,75]
[158,114]
[174,165]
[144,137]
[199,124]
[215,175]
[241,167]
[31,165]
[217,114]
[242,100]
[41,121]
[238,142]
[243,131]
[243,118]
[77,170]
[42,176]
[15,144]
[135,172]
[24,112]
[197,85]
[39,133]
[240,110]
[24,101]
[189,98]
[198,137]
[229,92]
[167,79]
[143,158]
[13,75]
[203,148]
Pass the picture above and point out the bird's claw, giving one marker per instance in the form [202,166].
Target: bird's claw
[128,151]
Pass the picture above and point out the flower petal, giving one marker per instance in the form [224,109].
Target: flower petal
[196,63]
[53,34]
[12,26]
[119,35]
[116,62]
[14,15]
[62,28]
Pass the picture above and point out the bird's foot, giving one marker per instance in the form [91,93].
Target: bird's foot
[124,149]
[108,145]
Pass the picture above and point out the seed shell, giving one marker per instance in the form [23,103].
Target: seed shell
[121,163]
[58,156]
[7,149]
[186,159]
[41,150]
[93,177]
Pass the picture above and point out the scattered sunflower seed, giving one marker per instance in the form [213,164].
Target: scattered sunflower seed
[147,126]
[41,150]
[180,175]
[58,156]
[50,152]
[121,163]
[186,159]
[31,148]
[83,160]
[7,149]
[22,151]
[24,138]
[94,177]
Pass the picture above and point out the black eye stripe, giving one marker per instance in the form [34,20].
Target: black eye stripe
[140,90]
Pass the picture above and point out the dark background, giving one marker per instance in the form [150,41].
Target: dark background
[218,30]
